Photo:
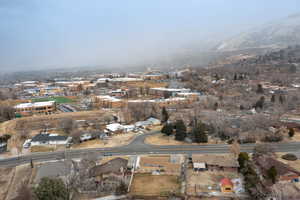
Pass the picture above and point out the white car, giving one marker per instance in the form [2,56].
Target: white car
[27,144]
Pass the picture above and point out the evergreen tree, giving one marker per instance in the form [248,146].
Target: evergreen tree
[51,188]
[199,133]
[260,89]
[281,99]
[243,159]
[260,103]
[272,173]
[216,105]
[235,77]
[273,99]
[291,132]
[165,115]
[180,130]
[167,129]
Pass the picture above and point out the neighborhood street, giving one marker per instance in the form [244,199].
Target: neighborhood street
[137,146]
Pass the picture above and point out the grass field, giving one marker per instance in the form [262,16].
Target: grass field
[56,99]
[156,185]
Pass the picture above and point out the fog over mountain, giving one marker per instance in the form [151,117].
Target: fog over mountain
[277,34]
[54,34]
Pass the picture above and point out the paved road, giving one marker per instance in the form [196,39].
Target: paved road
[139,147]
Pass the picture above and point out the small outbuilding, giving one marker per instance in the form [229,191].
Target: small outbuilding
[226,185]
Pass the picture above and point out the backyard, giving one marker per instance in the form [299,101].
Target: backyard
[162,185]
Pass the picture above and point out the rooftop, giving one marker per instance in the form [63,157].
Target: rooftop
[36,104]
[48,137]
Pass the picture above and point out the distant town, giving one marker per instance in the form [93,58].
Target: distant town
[217,132]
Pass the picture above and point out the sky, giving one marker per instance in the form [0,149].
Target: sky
[40,34]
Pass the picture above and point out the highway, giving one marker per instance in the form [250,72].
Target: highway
[138,147]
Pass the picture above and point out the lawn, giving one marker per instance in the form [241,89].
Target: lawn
[157,185]
[41,149]
[56,99]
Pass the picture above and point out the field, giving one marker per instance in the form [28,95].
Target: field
[114,141]
[56,99]
[161,139]
[41,149]
[156,185]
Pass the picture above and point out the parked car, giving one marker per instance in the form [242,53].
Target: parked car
[27,144]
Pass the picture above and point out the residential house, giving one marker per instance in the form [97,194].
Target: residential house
[112,173]
[153,121]
[285,173]
[49,139]
[114,128]
[215,162]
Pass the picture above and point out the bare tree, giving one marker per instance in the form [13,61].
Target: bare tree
[67,124]
[235,148]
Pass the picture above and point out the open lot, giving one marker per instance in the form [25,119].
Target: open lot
[114,141]
[23,175]
[42,148]
[156,185]
[161,139]
[6,177]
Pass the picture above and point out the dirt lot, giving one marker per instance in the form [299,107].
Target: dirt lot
[116,140]
[22,176]
[200,181]
[6,177]
[161,139]
[42,148]
[156,185]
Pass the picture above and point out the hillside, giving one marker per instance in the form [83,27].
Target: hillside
[277,34]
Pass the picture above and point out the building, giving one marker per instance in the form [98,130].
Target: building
[47,107]
[49,139]
[114,128]
[215,163]
[167,92]
[226,185]
[155,77]
[190,95]
[108,102]
[285,173]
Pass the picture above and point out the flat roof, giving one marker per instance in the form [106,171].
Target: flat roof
[110,98]
[171,89]
[36,104]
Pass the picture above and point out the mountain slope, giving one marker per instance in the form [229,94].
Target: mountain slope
[277,34]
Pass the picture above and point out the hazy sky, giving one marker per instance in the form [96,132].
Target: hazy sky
[36,34]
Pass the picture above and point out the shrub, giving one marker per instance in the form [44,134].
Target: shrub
[273,138]
[289,156]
